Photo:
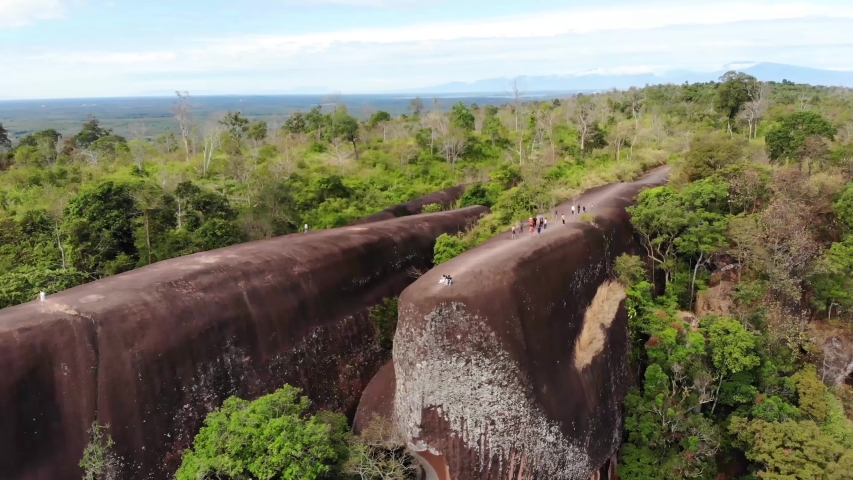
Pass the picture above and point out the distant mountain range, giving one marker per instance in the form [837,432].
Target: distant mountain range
[596,82]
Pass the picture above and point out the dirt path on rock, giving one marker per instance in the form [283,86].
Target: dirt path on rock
[596,196]
[486,259]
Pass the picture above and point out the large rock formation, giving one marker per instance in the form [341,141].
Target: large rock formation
[446,198]
[151,351]
[518,369]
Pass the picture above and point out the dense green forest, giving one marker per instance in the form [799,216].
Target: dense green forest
[749,269]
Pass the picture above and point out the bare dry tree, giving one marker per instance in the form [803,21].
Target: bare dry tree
[516,92]
[212,139]
[453,145]
[755,109]
[137,146]
[181,111]
[47,149]
[584,116]
[285,163]
[340,151]
[636,98]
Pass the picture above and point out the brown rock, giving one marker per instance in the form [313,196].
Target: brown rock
[496,373]
[446,198]
[152,351]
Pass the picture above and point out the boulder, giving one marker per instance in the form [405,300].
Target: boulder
[518,370]
[152,351]
[446,198]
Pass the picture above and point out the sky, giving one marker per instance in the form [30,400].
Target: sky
[101,48]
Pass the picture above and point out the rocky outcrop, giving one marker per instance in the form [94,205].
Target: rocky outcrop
[518,370]
[446,198]
[151,351]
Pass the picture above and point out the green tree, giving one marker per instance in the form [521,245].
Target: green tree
[447,247]
[709,154]
[477,194]
[345,126]
[272,437]
[461,117]
[90,133]
[99,462]
[790,133]
[629,269]
[257,131]
[297,123]
[787,450]
[218,233]
[99,225]
[379,117]
[236,125]
[732,94]
[5,142]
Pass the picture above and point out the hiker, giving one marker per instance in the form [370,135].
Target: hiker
[539,227]
[513,230]
[306,228]
[563,218]
[584,209]
[545,223]
[573,209]
[42,296]
[449,279]
[590,206]
[532,224]
[443,279]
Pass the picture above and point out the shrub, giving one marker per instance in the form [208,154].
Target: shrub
[432,208]
[447,247]
[272,437]
[629,269]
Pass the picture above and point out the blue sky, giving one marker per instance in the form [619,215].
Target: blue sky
[86,48]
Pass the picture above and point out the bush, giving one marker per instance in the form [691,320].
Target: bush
[384,318]
[99,461]
[629,269]
[447,247]
[587,218]
[271,437]
[432,208]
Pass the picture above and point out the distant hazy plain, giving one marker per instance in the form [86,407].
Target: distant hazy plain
[21,117]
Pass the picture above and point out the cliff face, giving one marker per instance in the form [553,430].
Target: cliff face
[446,198]
[518,369]
[152,351]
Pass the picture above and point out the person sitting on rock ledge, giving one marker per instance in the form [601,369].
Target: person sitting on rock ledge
[446,280]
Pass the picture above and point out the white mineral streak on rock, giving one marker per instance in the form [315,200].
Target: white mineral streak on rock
[485,398]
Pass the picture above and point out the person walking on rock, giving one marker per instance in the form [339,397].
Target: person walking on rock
[513,230]
[306,228]
[532,225]
[539,227]
[584,209]
[545,223]
[563,217]
[573,209]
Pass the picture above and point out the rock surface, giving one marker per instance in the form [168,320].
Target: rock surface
[152,351]
[446,198]
[518,369]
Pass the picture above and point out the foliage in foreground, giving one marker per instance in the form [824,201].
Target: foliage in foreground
[272,437]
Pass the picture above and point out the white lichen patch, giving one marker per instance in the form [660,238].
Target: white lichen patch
[596,321]
[453,363]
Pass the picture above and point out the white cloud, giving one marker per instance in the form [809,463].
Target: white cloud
[356,3]
[610,41]
[19,13]
[549,24]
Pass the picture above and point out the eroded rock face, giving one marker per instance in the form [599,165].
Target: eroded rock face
[519,369]
[152,351]
[446,198]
